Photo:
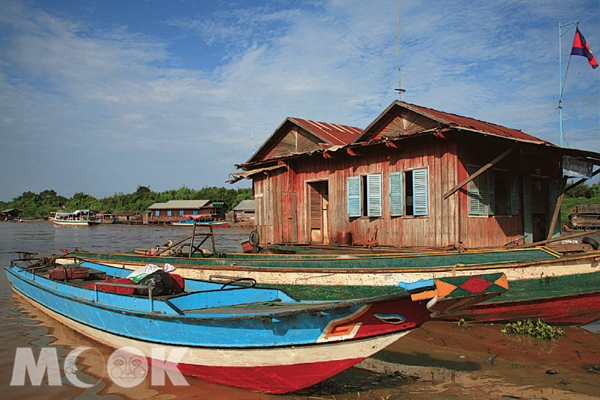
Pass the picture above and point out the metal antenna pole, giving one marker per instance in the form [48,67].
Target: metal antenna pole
[560,34]
[399,70]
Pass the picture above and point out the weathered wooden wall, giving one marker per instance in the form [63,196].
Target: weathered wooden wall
[276,209]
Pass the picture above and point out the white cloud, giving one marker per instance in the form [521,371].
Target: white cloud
[69,86]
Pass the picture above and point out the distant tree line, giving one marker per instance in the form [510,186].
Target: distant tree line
[40,205]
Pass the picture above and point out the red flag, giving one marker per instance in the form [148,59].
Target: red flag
[580,48]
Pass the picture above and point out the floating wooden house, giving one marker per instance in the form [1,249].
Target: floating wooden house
[244,213]
[177,210]
[415,177]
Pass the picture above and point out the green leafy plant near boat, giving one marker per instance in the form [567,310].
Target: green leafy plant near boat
[539,330]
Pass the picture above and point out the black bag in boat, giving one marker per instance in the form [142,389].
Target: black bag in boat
[160,282]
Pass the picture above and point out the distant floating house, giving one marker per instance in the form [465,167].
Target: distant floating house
[127,217]
[244,213]
[11,213]
[415,177]
[177,210]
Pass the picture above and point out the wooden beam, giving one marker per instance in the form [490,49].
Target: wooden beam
[556,239]
[557,208]
[579,182]
[479,172]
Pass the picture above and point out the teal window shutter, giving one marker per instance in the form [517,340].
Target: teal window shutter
[476,190]
[181,213]
[353,194]
[491,192]
[514,195]
[420,192]
[374,195]
[396,195]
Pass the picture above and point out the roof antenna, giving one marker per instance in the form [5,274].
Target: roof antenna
[400,90]
[252,134]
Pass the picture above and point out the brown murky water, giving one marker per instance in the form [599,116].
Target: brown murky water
[437,361]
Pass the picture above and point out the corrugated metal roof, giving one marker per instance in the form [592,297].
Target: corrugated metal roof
[179,204]
[456,121]
[481,126]
[334,134]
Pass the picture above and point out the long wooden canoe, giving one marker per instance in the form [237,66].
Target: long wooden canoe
[544,284]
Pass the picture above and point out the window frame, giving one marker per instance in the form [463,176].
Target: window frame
[364,195]
[482,193]
[419,192]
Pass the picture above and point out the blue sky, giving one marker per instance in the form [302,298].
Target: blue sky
[102,96]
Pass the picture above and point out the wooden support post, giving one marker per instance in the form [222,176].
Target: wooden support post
[479,172]
[192,240]
[212,237]
[557,208]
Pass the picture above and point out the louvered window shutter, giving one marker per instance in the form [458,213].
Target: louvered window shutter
[374,195]
[491,193]
[514,195]
[477,192]
[396,194]
[353,194]
[420,192]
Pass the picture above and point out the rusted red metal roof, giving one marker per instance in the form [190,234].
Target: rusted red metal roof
[470,123]
[333,133]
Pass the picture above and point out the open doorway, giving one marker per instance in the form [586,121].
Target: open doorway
[318,198]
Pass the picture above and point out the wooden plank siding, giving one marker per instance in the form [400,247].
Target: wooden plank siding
[439,228]
[448,221]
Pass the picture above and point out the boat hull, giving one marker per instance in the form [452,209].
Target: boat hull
[254,338]
[578,309]
[70,222]
[267,370]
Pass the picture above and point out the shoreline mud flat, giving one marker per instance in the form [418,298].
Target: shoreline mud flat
[441,360]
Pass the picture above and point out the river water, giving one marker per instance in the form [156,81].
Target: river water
[438,360]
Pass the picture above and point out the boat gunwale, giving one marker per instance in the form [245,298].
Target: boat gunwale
[220,348]
[333,257]
[240,267]
[332,305]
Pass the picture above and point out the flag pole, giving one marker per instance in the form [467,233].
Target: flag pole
[560,34]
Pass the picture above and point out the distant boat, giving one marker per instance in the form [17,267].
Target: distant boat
[75,218]
[231,334]
[201,220]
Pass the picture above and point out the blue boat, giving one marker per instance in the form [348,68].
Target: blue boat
[235,334]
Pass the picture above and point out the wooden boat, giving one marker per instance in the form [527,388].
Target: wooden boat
[544,284]
[75,218]
[253,338]
[199,220]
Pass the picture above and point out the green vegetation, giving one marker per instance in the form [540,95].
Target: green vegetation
[40,205]
[539,330]
[582,194]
